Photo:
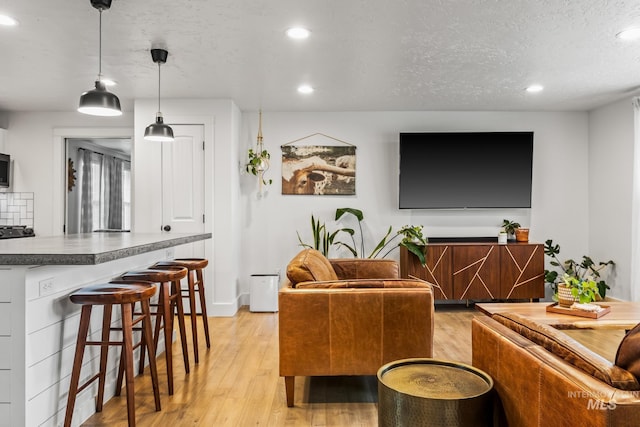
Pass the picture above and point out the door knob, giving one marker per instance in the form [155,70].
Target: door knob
[167,228]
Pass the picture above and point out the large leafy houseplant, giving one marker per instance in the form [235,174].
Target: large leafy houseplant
[412,238]
[583,276]
[322,237]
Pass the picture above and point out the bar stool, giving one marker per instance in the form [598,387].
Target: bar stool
[108,295]
[196,285]
[169,300]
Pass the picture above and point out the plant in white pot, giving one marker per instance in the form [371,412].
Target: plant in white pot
[510,227]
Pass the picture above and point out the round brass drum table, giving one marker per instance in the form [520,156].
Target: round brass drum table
[432,392]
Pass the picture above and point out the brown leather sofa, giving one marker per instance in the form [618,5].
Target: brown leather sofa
[542,377]
[349,317]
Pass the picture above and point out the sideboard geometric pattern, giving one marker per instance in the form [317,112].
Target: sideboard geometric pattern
[522,271]
[479,271]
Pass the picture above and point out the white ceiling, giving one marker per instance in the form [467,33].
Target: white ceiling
[362,55]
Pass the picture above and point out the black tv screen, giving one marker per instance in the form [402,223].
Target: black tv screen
[456,170]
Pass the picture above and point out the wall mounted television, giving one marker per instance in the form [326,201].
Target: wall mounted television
[465,170]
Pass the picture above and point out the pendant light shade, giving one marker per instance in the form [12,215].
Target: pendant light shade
[99,101]
[158,131]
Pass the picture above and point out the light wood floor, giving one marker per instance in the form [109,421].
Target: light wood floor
[236,382]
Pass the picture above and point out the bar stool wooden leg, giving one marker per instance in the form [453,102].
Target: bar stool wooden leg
[85,319]
[104,353]
[143,348]
[203,307]
[167,316]
[194,319]
[183,331]
[147,336]
[127,353]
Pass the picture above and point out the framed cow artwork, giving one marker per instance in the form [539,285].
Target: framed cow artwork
[319,170]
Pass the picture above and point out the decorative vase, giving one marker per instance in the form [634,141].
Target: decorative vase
[565,297]
[522,235]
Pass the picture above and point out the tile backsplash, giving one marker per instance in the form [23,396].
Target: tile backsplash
[16,209]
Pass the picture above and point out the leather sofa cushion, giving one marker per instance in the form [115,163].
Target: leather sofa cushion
[365,268]
[628,354]
[570,350]
[363,283]
[310,265]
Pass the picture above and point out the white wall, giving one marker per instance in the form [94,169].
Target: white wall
[611,148]
[221,119]
[259,236]
[270,224]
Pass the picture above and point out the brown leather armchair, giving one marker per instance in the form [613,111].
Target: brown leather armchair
[349,317]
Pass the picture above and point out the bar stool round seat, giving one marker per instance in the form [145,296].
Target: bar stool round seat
[195,266]
[108,295]
[169,301]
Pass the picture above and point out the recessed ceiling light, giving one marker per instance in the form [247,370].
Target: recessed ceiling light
[629,34]
[305,89]
[298,33]
[8,21]
[534,88]
[108,82]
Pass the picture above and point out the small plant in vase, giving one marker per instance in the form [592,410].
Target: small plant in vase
[572,280]
[510,227]
[574,289]
[258,162]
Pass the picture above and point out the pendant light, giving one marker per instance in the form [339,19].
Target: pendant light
[158,131]
[99,101]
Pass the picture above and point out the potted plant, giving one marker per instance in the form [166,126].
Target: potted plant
[572,289]
[414,241]
[258,163]
[575,275]
[510,227]
[258,159]
[412,238]
[502,236]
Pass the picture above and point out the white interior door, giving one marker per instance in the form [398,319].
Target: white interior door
[183,187]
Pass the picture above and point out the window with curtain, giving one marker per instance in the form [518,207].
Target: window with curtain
[105,192]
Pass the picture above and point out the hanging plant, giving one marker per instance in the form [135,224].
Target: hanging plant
[258,162]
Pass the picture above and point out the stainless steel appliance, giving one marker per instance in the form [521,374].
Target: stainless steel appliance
[15,231]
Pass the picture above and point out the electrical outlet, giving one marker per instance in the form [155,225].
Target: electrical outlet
[46,286]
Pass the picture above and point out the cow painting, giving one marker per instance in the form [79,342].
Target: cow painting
[320,170]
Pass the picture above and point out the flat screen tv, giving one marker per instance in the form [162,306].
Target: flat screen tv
[460,170]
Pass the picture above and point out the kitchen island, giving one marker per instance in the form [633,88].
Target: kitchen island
[39,325]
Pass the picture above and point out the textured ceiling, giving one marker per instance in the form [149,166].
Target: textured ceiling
[362,55]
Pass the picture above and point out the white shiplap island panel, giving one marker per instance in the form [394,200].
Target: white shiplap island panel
[39,325]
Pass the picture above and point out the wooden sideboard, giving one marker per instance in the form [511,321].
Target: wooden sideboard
[479,271]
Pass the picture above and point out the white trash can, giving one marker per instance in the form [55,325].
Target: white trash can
[264,292]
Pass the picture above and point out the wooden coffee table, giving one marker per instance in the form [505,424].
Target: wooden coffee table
[623,315]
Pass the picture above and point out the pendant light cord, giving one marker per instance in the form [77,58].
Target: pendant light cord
[159,110]
[100,48]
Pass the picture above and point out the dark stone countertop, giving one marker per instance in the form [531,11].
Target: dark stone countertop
[89,248]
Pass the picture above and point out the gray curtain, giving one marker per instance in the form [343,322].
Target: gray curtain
[113,195]
[86,210]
